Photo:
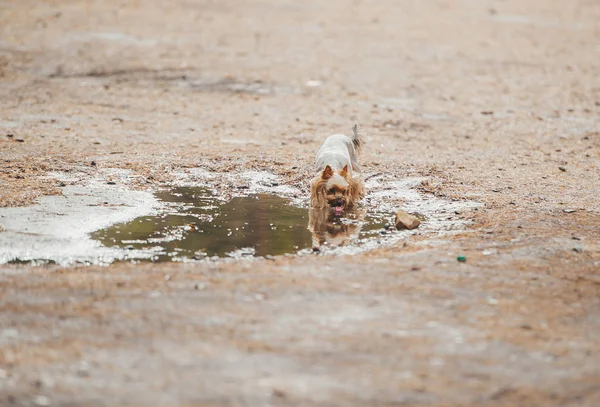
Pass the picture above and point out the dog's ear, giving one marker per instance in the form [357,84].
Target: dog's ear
[344,171]
[327,173]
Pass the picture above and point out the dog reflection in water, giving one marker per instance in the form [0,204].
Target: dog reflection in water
[330,229]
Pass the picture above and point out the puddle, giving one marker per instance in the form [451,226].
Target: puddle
[233,215]
[199,225]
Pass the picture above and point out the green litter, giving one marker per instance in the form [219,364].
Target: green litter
[462,259]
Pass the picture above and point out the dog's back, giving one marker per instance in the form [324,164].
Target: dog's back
[339,150]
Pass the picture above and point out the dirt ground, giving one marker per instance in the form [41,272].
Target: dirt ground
[492,101]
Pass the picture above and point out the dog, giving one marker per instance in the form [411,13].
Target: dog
[330,230]
[338,185]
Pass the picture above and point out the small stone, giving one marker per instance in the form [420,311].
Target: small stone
[563,169]
[83,370]
[19,140]
[461,259]
[406,221]
[569,210]
[578,249]
[526,326]
[279,393]
[200,286]
[111,183]
[41,400]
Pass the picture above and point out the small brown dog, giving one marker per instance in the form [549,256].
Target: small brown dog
[338,185]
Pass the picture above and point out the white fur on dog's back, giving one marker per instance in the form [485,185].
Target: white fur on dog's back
[338,151]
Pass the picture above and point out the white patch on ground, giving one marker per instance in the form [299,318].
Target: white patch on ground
[57,228]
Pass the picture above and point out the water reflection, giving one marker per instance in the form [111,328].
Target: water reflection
[200,226]
[330,230]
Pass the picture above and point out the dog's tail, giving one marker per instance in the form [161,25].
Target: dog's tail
[357,140]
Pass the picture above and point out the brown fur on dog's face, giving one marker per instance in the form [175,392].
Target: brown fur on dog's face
[333,189]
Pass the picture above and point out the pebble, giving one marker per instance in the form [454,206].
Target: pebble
[406,221]
[83,370]
[563,169]
[313,83]
[569,210]
[578,249]
[279,393]
[41,401]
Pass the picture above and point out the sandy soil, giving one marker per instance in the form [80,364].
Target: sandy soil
[492,101]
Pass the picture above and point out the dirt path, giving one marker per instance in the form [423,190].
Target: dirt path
[496,102]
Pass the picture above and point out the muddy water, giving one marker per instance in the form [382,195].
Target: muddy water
[199,225]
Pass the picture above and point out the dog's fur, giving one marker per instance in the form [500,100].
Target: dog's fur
[331,231]
[338,182]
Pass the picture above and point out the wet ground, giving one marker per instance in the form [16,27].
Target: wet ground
[483,116]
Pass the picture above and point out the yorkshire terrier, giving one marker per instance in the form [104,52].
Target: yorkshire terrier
[330,230]
[338,185]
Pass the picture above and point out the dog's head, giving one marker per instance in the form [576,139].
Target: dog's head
[333,189]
